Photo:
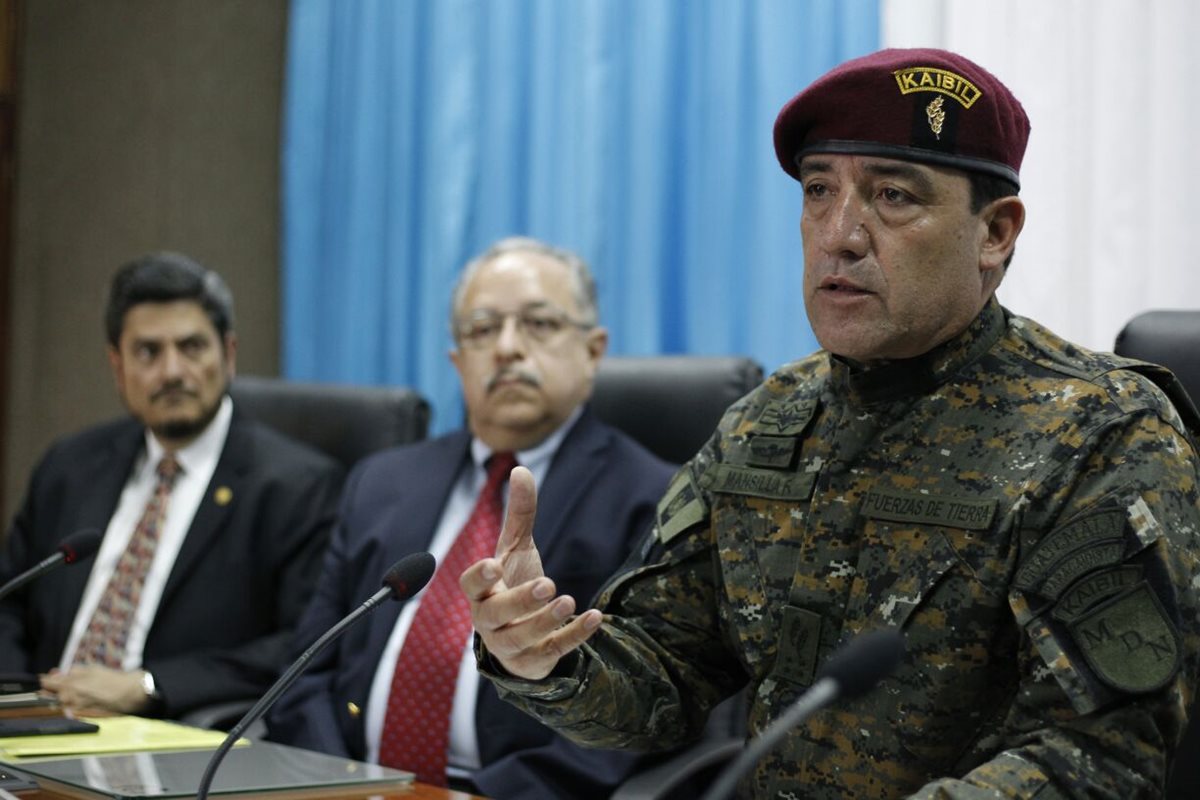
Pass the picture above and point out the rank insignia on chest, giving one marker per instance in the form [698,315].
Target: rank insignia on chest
[771,451]
[786,417]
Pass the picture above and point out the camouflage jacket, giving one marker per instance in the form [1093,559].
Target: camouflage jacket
[1023,510]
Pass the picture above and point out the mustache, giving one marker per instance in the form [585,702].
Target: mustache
[519,375]
[172,388]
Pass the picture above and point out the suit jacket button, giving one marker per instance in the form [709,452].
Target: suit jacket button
[353,709]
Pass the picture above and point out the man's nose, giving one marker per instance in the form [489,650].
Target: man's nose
[510,343]
[171,363]
[843,231]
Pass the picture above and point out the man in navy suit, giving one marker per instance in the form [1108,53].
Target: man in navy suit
[527,344]
[195,603]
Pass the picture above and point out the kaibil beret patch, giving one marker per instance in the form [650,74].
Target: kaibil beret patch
[925,105]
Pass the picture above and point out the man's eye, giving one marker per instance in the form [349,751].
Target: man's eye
[542,324]
[482,330]
[893,195]
[815,190]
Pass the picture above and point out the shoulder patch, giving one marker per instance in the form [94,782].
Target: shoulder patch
[1128,641]
[1074,536]
[680,508]
[1092,589]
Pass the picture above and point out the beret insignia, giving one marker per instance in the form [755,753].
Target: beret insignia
[931,79]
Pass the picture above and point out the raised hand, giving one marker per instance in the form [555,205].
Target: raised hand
[513,604]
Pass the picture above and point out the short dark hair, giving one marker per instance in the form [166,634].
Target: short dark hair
[984,189]
[166,278]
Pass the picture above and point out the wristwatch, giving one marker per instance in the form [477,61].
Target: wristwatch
[148,686]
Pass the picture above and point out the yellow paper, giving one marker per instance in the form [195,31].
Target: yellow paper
[116,735]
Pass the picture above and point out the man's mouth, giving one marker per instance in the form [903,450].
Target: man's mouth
[511,379]
[842,286]
[173,395]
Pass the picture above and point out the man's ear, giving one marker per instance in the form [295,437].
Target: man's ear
[597,343]
[115,366]
[1003,219]
[231,342]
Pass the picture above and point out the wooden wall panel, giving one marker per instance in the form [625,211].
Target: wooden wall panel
[143,125]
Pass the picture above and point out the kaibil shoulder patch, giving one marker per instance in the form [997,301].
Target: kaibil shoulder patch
[680,508]
[1128,641]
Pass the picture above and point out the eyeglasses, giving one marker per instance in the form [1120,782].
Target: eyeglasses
[482,328]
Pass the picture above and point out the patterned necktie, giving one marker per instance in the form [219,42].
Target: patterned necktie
[416,729]
[104,640]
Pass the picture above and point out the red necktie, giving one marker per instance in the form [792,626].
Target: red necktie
[416,729]
[103,642]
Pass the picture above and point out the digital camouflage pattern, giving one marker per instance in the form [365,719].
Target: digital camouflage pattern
[1024,510]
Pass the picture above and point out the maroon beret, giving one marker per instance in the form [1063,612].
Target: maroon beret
[925,105]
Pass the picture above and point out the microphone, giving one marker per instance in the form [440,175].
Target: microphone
[851,671]
[76,547]
[406,577]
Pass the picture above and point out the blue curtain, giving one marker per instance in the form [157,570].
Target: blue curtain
[635,132]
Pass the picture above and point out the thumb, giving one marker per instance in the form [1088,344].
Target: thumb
[517,532]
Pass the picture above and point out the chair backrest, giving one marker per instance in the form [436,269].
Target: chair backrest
[671,404]
[346,422]
[1169,338]
[1172,339]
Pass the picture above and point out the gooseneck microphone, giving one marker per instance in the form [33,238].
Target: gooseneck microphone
[76,547]
[406,577]
[851,671]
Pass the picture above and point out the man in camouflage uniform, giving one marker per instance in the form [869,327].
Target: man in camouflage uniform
[1024,511]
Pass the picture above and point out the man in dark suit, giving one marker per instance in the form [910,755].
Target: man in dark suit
[213,525]
[527,345]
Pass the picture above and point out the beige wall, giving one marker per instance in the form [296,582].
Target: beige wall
[142,125]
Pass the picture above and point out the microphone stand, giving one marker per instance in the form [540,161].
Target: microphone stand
[820,694]
[75,547]
[403,580]
[281,685]
[852,671]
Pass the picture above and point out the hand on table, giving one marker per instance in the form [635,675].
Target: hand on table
[85,690]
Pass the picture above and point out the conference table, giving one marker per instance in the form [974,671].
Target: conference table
[184,767]
[414,791]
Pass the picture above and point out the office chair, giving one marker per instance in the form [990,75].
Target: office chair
[346,422]
[1172,339]
[671,404]
[1169,338]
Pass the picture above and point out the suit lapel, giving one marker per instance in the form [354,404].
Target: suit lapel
[579,459]
[412,520]
[221,496]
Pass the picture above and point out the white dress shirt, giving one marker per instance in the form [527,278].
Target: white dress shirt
[197,461]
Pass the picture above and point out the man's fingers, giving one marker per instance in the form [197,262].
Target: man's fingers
[517,532]
[481,579]
[534,656]
[507,607]
[573,634]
